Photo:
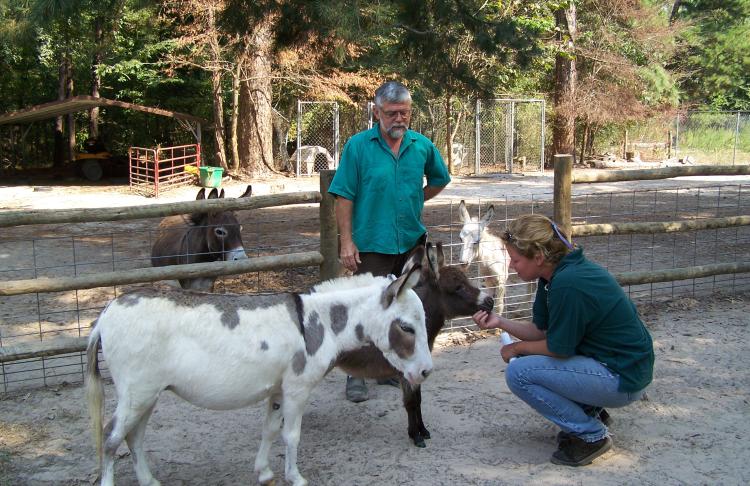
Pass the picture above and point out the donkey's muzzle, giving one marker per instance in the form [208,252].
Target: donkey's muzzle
[487,304]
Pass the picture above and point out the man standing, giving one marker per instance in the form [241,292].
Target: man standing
[380,194]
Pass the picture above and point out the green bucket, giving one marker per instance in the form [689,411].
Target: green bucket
[211,176]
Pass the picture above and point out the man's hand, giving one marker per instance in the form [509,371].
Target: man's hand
[349,255]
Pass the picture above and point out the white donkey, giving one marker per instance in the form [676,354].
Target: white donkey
[228,351]
[486,249]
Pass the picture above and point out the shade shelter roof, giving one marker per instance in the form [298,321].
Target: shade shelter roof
[83,103]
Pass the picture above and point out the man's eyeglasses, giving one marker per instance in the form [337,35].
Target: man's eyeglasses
[394,113]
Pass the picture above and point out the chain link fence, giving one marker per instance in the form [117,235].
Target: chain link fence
[511,135]
[713,138]
[489,136]
[317,129]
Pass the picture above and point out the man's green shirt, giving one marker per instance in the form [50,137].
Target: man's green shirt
[387,191]
[584,311]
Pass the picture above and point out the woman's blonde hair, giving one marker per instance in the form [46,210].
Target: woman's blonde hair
[533,233]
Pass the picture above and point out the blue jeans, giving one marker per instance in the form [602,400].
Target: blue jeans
[562,390]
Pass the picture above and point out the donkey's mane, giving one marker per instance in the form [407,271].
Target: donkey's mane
[348,283]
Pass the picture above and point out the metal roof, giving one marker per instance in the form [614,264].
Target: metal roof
[82,103]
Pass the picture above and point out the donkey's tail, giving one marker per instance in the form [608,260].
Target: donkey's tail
[95,390]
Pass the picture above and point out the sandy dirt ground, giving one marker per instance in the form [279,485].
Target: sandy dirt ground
[691,429]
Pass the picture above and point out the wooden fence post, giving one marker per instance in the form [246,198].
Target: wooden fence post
[329,237]
[562,195]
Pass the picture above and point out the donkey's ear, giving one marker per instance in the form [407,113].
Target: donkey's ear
[488,215]
[402,284]
[432,260]
[462,212]
[201,194]
[415,258]
[248,192]
[214,194]
[440,254]
[221,194]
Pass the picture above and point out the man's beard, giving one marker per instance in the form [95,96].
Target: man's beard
[397,131]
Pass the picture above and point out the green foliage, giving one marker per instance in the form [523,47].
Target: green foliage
[660,88]
[715,53]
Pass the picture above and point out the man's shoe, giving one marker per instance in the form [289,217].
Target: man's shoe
[356,390]
[577,452]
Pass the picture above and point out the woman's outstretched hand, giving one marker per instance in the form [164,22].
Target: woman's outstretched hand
[486,320]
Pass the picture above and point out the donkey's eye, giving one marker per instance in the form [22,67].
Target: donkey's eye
[407,328]
[220,232]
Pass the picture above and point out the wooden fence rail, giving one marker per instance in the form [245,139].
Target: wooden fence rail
[47,216]
[150,274]
[326,258]
[661,173]
[659,226]
[564,178]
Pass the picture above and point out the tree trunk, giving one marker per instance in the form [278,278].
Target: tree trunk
[62,82]
[96,81]
[216,91]
[448,133]
[233,140]
[563,130]
[221,155]
[584,140]
[71,125]
[256,114]
[675,11]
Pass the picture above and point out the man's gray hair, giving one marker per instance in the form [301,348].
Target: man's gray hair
[392,92]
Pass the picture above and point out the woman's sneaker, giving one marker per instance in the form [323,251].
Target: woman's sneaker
[577,452]
[603,417]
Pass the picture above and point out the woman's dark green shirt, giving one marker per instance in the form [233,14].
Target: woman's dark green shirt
[584,311]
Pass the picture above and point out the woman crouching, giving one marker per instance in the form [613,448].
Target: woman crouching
[586,347]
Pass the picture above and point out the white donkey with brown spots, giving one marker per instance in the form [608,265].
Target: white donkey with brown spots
[488,250]
[228,351]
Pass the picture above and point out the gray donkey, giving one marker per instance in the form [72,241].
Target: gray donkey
[199,238]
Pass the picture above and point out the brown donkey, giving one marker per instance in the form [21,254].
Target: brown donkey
[445,292]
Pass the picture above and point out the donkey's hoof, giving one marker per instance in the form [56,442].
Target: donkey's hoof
[266,478]
[419,442]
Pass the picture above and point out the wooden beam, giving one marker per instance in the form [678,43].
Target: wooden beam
[562,191]
[170,272]
[672,274]
[661,173]
[659,227]
[329,237]
[47,216]
[43,349]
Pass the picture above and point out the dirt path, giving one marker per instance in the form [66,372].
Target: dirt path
[692,429]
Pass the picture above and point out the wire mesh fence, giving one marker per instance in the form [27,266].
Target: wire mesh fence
[57,250]
[488,136]
[317,129]
[720,138]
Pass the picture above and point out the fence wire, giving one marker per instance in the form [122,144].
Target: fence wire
[489,136]
[85,248]
[715,138]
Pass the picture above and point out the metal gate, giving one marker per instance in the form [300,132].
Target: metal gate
[317,137]
[510,135]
